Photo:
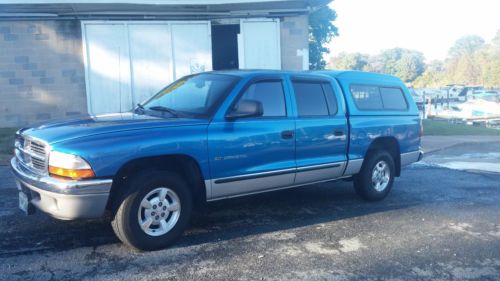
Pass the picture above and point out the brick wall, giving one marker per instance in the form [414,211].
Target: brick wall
[294,36]
[41,71]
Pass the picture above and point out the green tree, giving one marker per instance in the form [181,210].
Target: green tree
[404,63]
[433,76]
[321,31]
[470,61]
[349,61]
[488,62]
[410,66]
[466,45]
[462,63]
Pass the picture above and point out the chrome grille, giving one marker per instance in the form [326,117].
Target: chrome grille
[38,164]
[38,148]
[32,154]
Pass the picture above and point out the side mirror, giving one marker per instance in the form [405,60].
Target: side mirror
[245,109]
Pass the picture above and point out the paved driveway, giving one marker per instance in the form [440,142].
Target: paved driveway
[437,224]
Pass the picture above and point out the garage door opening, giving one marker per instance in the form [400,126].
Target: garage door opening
[225,46]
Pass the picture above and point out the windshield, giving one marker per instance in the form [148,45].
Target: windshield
[193,96]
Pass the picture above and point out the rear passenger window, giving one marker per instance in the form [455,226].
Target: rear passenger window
[311,100]
[393,98]
[367,97]
[270,94]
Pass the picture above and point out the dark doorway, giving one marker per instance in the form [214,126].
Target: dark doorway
[225,46]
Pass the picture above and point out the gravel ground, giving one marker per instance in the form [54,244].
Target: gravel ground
[437,224]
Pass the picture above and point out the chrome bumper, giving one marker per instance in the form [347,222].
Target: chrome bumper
[62,199]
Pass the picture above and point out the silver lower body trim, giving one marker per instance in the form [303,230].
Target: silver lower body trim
[411,157]
[274,189]
[319,172]
[273,180]
[236,187]
[353,167]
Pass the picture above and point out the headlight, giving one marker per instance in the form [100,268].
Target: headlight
[69,166]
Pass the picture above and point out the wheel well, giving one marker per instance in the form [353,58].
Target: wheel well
[389,144]
[183,165]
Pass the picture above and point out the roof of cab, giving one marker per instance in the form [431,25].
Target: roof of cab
[252,72]
[339,74]
[361,75]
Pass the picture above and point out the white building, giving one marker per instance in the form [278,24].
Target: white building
[62,58]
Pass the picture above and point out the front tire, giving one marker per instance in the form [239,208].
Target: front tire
[374,181]
[155,212]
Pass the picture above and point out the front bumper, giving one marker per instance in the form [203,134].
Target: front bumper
[62,199]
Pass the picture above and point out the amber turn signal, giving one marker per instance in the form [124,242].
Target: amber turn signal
[71,173]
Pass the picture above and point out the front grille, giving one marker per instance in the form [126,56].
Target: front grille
[38,148]
[32,154]
[38,164]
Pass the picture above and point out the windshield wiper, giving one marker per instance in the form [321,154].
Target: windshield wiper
[164,109]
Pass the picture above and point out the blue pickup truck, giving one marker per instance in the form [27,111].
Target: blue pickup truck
[218,135]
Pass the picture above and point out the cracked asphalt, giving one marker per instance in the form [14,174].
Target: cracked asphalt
[437,224]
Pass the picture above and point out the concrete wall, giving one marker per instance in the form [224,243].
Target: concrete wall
[294,37]
[41,71]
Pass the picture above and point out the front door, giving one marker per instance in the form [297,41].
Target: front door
[254,154]
[321,131]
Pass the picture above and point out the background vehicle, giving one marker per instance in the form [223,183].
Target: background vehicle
[217,135]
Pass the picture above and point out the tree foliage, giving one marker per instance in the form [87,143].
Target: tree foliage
[466,46]
[404,63]
[470,61]
[321,31]
[355,61]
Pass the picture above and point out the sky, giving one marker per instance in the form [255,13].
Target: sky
[429,26]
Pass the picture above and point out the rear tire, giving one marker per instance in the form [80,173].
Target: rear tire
[374,181]
[154,212]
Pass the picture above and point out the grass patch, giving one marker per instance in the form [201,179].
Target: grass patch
[6,144]
[443,128]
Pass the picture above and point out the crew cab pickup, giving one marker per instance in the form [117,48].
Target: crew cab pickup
[218,135]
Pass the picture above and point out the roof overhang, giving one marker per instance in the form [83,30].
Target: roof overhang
[154,9]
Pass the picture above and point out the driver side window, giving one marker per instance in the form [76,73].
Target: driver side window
[270,94]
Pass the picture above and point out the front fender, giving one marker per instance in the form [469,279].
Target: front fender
[107,153]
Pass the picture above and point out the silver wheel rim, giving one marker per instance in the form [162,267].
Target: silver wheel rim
[159,211]
[381,176]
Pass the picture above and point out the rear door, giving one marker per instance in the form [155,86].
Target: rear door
[321,130]
[253,154]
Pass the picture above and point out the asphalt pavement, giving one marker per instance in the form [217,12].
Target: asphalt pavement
[437,224]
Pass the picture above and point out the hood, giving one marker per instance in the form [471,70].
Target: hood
[63,130]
